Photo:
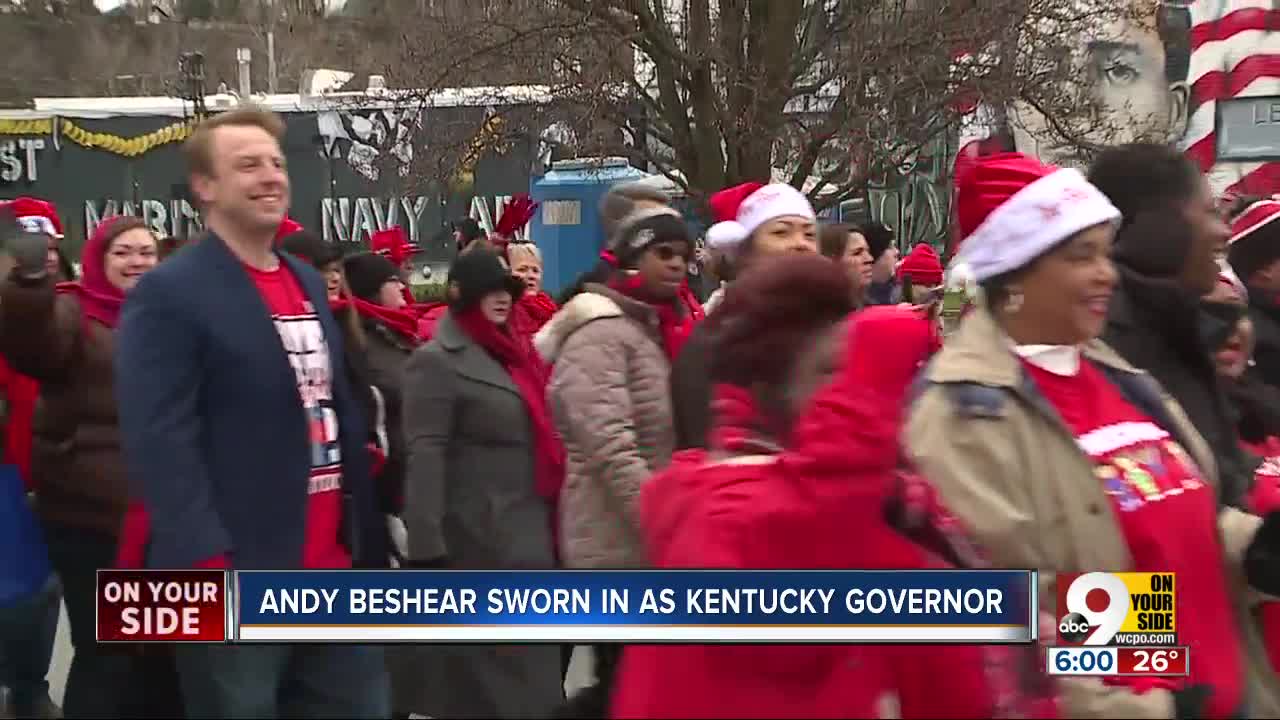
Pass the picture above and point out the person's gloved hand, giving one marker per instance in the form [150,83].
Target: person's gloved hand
[1262,557]
[1190,702]
[886,347]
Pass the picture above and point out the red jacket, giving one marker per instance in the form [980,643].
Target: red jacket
[20,394]
[791,511]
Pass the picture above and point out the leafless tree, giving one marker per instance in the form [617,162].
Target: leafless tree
[826,94]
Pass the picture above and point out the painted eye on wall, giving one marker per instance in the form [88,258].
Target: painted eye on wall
[1119,73]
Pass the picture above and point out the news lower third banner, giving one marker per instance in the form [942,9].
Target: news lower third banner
[635,606]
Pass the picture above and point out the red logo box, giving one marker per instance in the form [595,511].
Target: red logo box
[162,606]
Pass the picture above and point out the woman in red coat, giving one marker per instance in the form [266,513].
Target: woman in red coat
[800,479]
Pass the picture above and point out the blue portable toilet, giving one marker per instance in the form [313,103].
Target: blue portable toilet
[566,227]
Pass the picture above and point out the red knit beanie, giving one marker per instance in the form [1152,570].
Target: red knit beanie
[922,266]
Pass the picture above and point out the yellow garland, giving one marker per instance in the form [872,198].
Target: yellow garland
[129,147]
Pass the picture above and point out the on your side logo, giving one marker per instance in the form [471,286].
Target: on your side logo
[1100,608]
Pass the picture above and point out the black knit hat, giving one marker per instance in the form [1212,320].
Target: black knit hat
[311,248]
[879,237]
[367,273]
[479,273]
[647,227]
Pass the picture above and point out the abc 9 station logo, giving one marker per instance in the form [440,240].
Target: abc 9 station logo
[1097,604]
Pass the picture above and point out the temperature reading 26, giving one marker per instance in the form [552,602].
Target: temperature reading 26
[1168,661]
[1154,660]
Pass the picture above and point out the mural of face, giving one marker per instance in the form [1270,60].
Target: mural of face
[1129,65]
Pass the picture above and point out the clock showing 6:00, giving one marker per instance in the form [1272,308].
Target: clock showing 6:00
[1117,661]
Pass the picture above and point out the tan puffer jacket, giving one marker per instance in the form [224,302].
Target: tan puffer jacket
[609,396]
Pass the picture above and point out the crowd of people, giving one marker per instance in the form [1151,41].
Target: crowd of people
[256,399]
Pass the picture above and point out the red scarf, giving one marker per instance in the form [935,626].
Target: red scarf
[530,314]
[99,299]
[675,324]
[539,306]
[691,303]
[530,376]
[402,321]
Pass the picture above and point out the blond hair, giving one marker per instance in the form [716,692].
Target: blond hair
[527,248]
[198,149]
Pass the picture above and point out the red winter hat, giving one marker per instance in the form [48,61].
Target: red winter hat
[984,184]
[36,215]
[1012,208]
[1255,238]
[740,210]
[393,244]
[288,227]
[922,266]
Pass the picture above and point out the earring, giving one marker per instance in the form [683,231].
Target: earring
[1013,303]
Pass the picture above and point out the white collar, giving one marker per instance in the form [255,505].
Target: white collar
[1061,360]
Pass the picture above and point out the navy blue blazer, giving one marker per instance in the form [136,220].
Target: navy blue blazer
[211,423]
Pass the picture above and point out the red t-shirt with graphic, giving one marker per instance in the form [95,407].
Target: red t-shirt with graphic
[1169,519]
[1265,498]
[302,340]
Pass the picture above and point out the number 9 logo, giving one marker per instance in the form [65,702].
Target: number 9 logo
[1108,621]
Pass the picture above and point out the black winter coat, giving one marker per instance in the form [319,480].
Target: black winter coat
[1156,326]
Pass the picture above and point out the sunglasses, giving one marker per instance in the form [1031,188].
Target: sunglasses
[666,252]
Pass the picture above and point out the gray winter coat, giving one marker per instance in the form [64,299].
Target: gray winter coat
[470,500]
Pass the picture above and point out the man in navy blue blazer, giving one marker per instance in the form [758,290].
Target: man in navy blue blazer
[241,435]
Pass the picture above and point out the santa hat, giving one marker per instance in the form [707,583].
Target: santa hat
[393,244]
[922,266]
[36,216]
[288,226]
[1255,237]
[741,209]
[1012,209]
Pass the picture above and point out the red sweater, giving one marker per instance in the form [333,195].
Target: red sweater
[1169,520]
[302,340]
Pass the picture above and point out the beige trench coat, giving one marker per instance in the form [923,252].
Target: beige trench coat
[1011,470]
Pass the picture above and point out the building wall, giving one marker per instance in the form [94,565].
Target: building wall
[346,184]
